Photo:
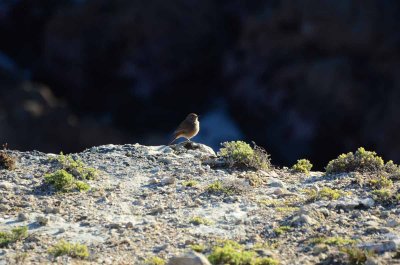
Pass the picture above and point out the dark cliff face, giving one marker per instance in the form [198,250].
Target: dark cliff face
[301,78]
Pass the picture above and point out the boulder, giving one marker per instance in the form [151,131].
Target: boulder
[192,258]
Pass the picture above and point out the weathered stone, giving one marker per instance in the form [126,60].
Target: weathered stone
[367,202]
[4,208]
[192,258]
[346,204]
[157,210]
[372,261]
[169,180]
[22,217]
[114,226]
[4,185]
[381,247]
[303,219]
[274,182]
[42,220]
[320,248]
[392,223]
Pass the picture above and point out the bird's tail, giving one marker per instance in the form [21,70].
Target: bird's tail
[176,135]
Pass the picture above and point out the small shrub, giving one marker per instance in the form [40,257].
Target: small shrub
[70,249]
[237,152]
[303,166]
[15,235]
[6,161]
[330,194]
[360,161]
[5,239]
[261,159]
[154,261]
[61,180]
[215,187]
[234,254]
[241,154]
[197,220]
[382,195]
[253,179]
[392,168]
[190,183]
[19,233]
[380,182]
[357,256]
[198,248]
[20,257]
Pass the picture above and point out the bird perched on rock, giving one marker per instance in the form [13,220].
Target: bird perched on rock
[188,128]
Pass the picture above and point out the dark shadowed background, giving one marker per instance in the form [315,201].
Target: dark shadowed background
[302,78]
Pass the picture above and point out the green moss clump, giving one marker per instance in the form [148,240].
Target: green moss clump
[333,241]
[330,194]
[190,183]
[240,154]
[197,220]
[360,161]
[82,186]
[198,248]
[282,229]
[227,188]
[324,194]
[70,249]
[76,167]
[287,209]
[71,175]
[15,235]
[65,182]
[217,188]
[154,261]
[235,254]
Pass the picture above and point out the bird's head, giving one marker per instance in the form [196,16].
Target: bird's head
[192,117]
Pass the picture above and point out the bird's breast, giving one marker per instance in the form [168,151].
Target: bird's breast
[196,128]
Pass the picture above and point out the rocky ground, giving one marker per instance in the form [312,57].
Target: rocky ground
[146,199]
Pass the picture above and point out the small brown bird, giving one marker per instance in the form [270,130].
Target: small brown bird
[188,128]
